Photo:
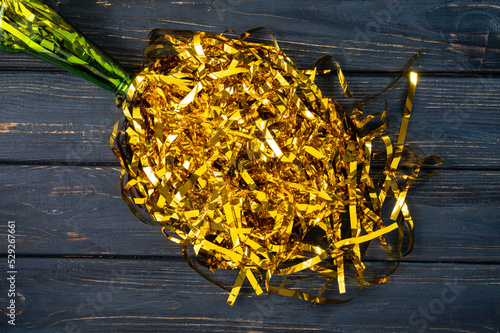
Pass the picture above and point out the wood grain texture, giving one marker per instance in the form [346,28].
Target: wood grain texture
[363,35]
[93,295]
[70,210]
[85,264]
[453,117]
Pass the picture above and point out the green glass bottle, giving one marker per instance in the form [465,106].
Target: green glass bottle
[33,27]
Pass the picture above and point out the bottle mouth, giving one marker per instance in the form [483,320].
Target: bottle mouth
[122,88]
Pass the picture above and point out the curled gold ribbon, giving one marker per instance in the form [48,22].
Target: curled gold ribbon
[238,155]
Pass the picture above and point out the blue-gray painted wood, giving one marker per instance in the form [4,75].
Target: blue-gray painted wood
[99,295]
[87,265]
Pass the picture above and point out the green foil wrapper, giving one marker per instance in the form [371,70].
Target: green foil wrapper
[237,153]
[34,27]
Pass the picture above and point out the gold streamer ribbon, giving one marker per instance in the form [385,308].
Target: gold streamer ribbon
[238,154]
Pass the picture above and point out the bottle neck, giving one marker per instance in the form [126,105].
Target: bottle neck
[33,27]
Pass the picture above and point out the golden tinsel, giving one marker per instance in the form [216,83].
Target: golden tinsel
[238,154]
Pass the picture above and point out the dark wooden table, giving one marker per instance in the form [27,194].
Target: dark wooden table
[85,264]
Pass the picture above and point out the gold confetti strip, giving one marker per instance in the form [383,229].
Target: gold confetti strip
[238,155]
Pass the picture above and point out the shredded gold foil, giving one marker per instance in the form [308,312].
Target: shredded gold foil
[238,155]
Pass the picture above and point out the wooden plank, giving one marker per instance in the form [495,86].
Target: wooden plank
[57,113]
[462,36]
[89,295]
[68,210]
[84,263]
[53,117]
